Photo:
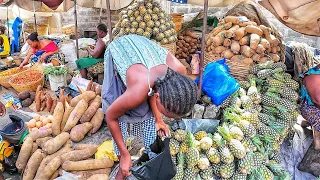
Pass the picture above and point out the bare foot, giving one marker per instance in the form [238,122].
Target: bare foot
[316,139]
[119,175]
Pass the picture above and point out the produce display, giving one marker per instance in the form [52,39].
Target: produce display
[55,70]
[256,120]
[244,42]
[146,18]
[188,43]
[48,147]
[32,76]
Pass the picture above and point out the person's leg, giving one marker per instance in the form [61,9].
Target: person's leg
[316,138]
[124,132]
[83,73]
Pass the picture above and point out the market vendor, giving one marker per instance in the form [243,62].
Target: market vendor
[94,64]
[142,81]
[44,51]
[310,107]
[4,45]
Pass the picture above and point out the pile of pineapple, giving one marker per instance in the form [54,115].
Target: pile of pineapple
[146,18]
[256,120]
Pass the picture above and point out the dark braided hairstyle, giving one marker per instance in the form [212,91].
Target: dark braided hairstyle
[178,93]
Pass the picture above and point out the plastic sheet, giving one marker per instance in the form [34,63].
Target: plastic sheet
[195,125]
[67,176]
[217,82]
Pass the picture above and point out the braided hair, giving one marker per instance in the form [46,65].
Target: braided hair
[178,94]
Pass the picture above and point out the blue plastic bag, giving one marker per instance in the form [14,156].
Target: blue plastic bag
[217,83]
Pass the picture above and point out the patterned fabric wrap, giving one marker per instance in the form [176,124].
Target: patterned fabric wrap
[311,114]
[145,131]
[95,70]
[179,1]
[304,92]
[58,56]
[133,49]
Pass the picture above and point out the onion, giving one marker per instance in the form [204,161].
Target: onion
[37,117]
[39,124]
[32,123]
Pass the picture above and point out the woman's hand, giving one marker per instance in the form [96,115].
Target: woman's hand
[162,129]
[21,66]
[42,58]
[2,109]
[125,165]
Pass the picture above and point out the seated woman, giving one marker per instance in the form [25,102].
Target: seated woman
[44,51]
[5,45]
[94,64]
[310,107]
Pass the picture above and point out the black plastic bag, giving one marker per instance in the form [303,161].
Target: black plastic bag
[161,167]
[10,163]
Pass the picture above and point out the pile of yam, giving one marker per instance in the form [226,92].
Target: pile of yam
[242,42]
[188,43]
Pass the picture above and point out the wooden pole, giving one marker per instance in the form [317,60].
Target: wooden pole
[76,27]
[203,44]
[109,20]
[34,16]
[100,20]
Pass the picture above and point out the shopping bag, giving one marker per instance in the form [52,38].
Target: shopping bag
[159,167]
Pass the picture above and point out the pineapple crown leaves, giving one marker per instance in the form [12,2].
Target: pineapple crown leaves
[279,171]
[272,109]
[278,70]
[274,90]
[190,139]
[242,92]
[253,82]
[180,159]
[225,132]
[231,116]
[281,109]
[278,77]
[218,140]
[255,174]
[279,128]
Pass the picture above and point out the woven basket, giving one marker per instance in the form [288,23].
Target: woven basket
[30,86]
[172,47]
[69,29]
[208,59]
[177,20]
[238,70]
[42,29]
[5,76]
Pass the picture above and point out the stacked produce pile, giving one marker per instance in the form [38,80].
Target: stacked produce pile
[146,18]
[49,144]
[243,42]
[188,43]
[256,119]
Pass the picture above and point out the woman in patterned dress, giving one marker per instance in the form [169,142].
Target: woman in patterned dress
[152,77]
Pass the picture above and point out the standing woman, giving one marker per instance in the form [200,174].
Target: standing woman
[310,107]
[142,81]
[5,46]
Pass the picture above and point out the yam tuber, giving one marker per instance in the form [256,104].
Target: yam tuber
[226,54]
[57,118]
[98,90]
[78,155]
[67,112]
[85,146]
[54,175]
[86,96]
[41,141]
[239,33]
[275,57]
[274,40]
[25,153]
[33,165]
[49,102]
[260,49]
[49,169]
[244,41]
[40,133]
[246,51]
[90,164]
[97,120]
[99,177]
[235,47]
[256,57]
[84,175]
[237,58]
[253,30]
[264,59]
[248,61]
[34,148]
[54,104]
[76,114]
[38,99]
[265,43]
[79,131]
[266,31]
[89,86]
[254,41]
[220,49]
[92,109]
[244,24]
[54,144]
[227,42]
[233,19]
[221,27]
[274,49]
[231,32]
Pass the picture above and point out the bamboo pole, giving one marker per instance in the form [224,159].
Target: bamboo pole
[76,27]
[109,20]
[34,16]
[100,17]
[203,44]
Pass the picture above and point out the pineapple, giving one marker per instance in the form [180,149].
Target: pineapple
[236,133]
[150,24]
[246,127]
[213,155]
[142,10]
[200,134]
[174,147]
[203,163]
[206,174]
[205,143]
[252,118]
[264,118]
[157,24]
[235,101]
[271,111]
[134,24]
[266,173]
[142,25]
[279,77]
[180,135]
[287,104]
[254,70]
[269,100]
[287,93]
[156,10]
[257,107]
[258,160]
[140,31]
[137,14]
[225,154]
[248,145]
[180,172]
[246,102]
[253,91]
[226,102]
[146,34]
[238,176]
[184,147]
[216,169]
[264,73]
[287,76]
[290,83]
[227,170]
[149,5]
[245,164]
[189,174]
[154,17]
[235,145]
[266,130]
[279,65]
[244,84]
[276,156]
[286,119]
[192,155]
[273,83]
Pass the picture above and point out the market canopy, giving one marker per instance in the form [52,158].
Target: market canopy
[302,16]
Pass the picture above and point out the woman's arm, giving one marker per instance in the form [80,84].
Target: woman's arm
[26,59]
[161,127]
[98,50]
